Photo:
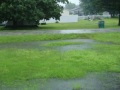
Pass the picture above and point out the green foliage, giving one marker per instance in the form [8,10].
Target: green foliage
[29,10]
[70,6]
[97,6]
[91,6]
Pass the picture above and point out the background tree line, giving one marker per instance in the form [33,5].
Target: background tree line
[98,6]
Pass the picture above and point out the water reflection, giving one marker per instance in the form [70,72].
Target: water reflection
[28,32]
[86,43]
[92,81]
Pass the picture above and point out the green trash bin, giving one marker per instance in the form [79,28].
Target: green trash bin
[101,24]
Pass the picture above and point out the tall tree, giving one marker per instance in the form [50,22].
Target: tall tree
[20,11]
[112,6]
[70,6]
[91,6]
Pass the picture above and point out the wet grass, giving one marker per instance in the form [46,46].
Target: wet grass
[81,24]
[19,65]
[41,37]
[103,37]
[107,37]
[62,43]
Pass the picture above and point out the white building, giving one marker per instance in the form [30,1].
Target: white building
[65,18]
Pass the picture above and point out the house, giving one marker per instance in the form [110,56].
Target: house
[65,12]
[76,11]
[65,18]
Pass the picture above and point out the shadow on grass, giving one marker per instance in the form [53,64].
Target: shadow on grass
[47,28]
[29,28]
[20,28]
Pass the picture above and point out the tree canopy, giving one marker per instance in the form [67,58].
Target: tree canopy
[19,11]
[70,6]
[97,6]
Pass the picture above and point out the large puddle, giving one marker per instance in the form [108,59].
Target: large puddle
[92,81]
[28,32]
[85,44]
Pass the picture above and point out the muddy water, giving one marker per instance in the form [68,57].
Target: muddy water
[92,81]
[86,43]
[28,32]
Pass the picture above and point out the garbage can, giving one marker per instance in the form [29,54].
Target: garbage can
[101,24]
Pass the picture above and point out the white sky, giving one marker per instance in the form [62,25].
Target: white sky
[74,1]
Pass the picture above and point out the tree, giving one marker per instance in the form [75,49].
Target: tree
[112,6]
[70,6]
[21,11]
[97,6]
[91,6]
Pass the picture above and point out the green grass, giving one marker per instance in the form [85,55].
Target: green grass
[26,38]
[81,24]
[21,64]
[107,37]
[103,37]
[62,43]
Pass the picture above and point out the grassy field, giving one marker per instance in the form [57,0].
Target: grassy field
[41,37]
[103,37]
[19,65]
[81,24]
[62,43]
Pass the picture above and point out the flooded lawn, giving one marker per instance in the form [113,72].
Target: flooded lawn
[85,43]
[30,32]
[92,81]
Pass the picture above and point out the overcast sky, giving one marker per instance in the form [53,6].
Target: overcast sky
[74,1]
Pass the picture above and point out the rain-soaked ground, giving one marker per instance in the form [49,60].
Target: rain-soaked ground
[92,81]
[26,32]
[85,43]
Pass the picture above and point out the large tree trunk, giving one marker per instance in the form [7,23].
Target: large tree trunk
[119,20]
